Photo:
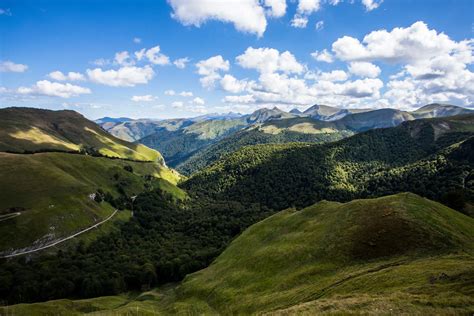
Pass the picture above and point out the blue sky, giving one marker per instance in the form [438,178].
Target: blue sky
[235,55]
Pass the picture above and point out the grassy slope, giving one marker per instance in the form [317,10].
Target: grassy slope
[53,190]
[399,253]
[329,249]
[33,130]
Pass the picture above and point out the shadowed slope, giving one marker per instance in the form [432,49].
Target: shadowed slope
[364,247]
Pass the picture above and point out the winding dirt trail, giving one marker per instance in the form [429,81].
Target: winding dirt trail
[60,240]
[9,216]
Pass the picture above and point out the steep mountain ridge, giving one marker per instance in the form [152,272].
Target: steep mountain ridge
[329,113]
[265,115]
[440,110]
[35,130]
[364,121]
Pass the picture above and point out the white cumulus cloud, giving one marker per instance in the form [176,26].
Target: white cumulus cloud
[434,68]
[230,84]
[9,66]
[335,75]
[364,69]
[123,59]
[277,8]
[308,6]
[299,21]
[416,42]
[186,94]
[269,60]
[210,69]
[246,15]
[371,4]
[319,25]
[54,89]
[70,76]
[127,76]
[143,98]
[181,62]
[199,101]
[323,56]
[177,104]
[155,57]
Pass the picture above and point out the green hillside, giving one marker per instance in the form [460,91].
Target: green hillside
[300,129]
[430,157]
[51,190]
[390,255]
[377,247]
[50,194]
[24,130]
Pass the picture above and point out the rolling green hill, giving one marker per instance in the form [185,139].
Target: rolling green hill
[364,249]
[51,191]
[390,255]
[54,165]
[430,157]
[26,130]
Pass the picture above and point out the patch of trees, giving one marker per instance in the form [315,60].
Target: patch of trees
[371,164]
[165,240]
[206,157]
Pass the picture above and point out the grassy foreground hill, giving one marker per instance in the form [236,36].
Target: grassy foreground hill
[53,164]
[390,255]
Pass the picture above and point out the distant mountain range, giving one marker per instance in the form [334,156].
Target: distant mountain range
[192,142]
